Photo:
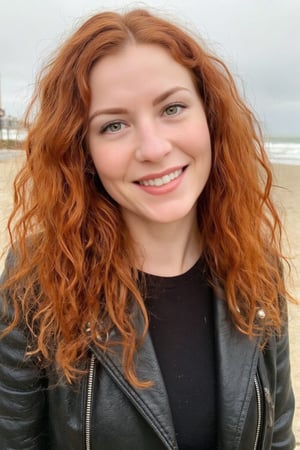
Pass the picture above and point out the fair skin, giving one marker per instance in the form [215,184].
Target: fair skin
[149,141]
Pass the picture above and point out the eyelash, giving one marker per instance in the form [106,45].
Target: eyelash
[106,127]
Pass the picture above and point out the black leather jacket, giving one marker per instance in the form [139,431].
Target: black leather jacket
[104,412]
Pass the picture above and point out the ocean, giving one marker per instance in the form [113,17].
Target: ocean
[284,150]
[280,151]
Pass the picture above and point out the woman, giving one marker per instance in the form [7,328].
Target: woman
[143,295]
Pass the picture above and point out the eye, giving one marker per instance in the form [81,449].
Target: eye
[113,127]
[174,109]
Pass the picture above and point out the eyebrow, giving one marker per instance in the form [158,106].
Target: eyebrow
[156,101]
[167,94]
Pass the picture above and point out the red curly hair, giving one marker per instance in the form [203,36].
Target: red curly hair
[75,259]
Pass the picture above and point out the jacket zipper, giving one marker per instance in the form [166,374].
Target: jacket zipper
[259,412]
[88,409]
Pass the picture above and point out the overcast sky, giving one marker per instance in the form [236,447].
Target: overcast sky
[258,39]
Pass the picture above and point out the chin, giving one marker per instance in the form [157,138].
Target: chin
[169,218]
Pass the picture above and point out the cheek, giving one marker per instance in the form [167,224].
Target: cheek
[196,135]
[107,165]
[198,143]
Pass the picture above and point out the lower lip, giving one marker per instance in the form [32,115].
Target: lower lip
[163,189]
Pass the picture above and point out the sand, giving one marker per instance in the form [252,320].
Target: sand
[287,197]
[286,194]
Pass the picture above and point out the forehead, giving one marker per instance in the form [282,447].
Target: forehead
[138,62]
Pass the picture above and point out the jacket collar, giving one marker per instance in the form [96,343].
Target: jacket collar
[236,366]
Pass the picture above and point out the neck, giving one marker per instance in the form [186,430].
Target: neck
[166,249]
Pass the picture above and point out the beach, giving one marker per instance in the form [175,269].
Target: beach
[286,194]
[287,197]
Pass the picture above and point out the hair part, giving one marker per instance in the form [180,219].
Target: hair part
[72,242]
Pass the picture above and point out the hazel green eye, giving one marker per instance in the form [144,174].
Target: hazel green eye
[173,110]
[113,127]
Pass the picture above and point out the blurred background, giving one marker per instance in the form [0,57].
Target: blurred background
[257,39]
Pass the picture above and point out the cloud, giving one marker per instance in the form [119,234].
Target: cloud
[257,38]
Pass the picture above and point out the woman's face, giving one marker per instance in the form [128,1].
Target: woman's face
[148,135]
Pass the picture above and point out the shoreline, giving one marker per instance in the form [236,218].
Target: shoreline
[275,158]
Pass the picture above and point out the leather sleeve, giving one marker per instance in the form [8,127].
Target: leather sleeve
[22,391]
[283,437]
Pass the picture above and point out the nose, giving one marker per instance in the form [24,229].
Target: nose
[153,144]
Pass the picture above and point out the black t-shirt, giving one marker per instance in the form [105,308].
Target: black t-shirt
[182,330]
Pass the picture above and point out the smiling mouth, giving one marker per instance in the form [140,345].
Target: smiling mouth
[165,179]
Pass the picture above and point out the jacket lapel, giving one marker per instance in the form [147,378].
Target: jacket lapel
[152,403]
[236,362]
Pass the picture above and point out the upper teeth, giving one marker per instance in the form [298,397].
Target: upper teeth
[162,180]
